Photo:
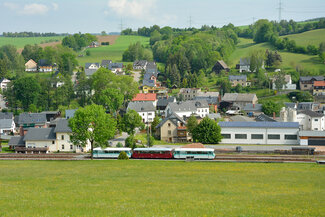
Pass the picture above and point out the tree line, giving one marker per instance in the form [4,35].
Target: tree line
[31,34]
[78,41]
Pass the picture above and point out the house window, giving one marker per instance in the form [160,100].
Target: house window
[290,137]
[53,142]
[257,136]
[316,119]
[240,136]
[149,113]
[273,136]
[62,147]
[226,136]
[71,147]
[315,128]
[305,85]
[168,124]
[62,137]
[169,132]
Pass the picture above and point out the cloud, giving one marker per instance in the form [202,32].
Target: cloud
[34,9]
[55,6]
[139,9]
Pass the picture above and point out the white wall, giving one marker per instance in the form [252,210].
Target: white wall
[147,116]
[41,144]
[265,141]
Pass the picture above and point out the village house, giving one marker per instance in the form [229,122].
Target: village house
[146,110]
[253,109]
[116,68]
[4,83]
[44,66]
[163,102]
[288,84]
[7,124]
[245,65]
[220,66]
[146,97]
[151,67]
[150,83]
[238,79]
[211,97]
[319,88]
[185,109]
[312,106]
[105,63]
[173,129]
[188,93]
[260,133]
[91,68]
[307,82]
[93,44]
[140,64]
[31,120]
[240,99]
[31,66]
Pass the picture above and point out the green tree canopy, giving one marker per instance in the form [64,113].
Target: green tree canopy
[132,120]
[270,107]
[207,132]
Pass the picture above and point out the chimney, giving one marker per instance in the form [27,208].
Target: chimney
[273,115]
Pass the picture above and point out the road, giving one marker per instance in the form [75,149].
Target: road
[136,75]
[121,139]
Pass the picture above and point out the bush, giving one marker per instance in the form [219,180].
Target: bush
[119,145]
[130,142]
[123,156]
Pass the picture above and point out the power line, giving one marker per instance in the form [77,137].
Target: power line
[121,25]
[280,8]
[190,21]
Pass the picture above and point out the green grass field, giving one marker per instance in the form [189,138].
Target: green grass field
[314,37]
[290,60]
[160,188]
[20,42]
[112,52]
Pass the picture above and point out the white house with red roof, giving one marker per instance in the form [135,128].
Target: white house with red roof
[146,97]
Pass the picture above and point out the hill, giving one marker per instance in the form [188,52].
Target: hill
[290,60]
[314,37]
[112,52]
[20,42]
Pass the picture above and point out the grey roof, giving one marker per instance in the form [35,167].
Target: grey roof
[214,116]
[32,118]
[70,113]
[312,133]
[163,102]
[238,97]
[174,118]
[141,63]
[189,90]
[151,70]
[306,105]
[260,124]
[149,83]
[244,62]
[115,66]
[191,105]
[207,94]
[105,63]
[311,113]
[265,118]
[62,126]
[87,65]
[290,105]
[5,123]
[237,77]
[253,107]
[239,118]
[16,141]
[6,115]
[141,106]
[308,78]
[43,62]
[40,134]
[90,72]
[223,64]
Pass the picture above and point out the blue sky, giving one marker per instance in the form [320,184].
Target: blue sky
[94,16]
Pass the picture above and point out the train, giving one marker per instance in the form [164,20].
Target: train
[155,153]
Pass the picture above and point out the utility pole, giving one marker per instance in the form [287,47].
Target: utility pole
[190,21]
[280,8]
[121,25]
[253,20]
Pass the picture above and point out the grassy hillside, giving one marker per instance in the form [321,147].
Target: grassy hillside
[21,42]
[113,52]
[160,188]
[290,60]
[314,37]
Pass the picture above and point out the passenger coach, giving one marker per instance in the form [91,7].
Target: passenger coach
[152,153]
[197,153]
[111,152]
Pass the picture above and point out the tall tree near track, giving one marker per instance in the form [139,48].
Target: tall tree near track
[92,124]
[207,132]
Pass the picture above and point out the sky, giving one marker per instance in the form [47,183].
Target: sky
[94,16]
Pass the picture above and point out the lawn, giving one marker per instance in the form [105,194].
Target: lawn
[314,37]
[160,188]
[112,52]
[20,42]
[290,60]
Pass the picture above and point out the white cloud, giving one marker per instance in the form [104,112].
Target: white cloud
[55,6]
[10,5]
[34,9]
[140,9]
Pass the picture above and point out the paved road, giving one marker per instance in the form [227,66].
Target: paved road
[121,139]
[136,75]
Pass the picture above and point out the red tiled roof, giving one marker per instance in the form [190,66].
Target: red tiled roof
[145,97]
[319,83]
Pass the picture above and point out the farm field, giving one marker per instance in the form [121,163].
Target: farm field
[112,52]
[20,42]
[160,188]
[313,37]
[290,60]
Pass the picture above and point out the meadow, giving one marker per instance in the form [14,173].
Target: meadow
[20,42]
[160,188]
[112,52]
[314,37]
[289,60]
